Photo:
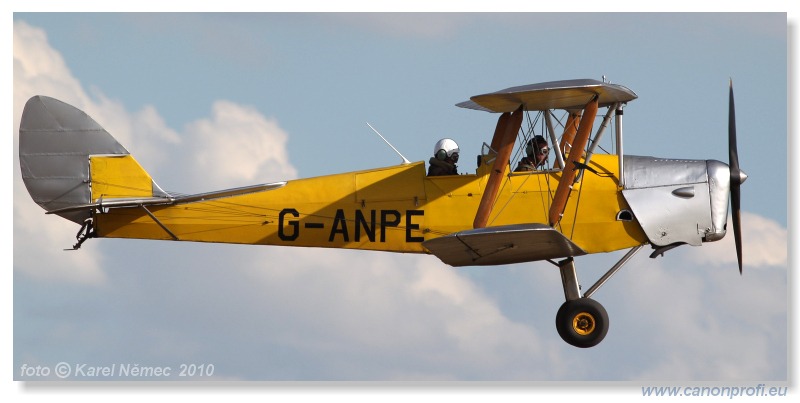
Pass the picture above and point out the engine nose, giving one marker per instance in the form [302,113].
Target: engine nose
[721,179]
[719,188]
[741,177]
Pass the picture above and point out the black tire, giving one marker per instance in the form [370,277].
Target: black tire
[582,322]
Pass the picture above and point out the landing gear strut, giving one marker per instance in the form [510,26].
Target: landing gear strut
[582,321]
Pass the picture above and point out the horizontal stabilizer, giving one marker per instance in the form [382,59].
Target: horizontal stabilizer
[502,245]
[174,200]
[228,193]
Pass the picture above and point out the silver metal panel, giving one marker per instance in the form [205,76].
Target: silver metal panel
[55,141]
[646,172]
[502,245]
[566,94]
[667,218]
[678,200]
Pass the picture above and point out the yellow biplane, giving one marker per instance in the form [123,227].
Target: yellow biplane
[584,200]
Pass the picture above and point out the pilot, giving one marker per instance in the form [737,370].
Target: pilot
[445,156]
[536,155]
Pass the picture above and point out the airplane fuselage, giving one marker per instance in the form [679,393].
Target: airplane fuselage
[388,209]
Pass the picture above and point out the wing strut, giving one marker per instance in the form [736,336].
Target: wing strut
[504,137]
[500,130]
[570,128]
[571,169]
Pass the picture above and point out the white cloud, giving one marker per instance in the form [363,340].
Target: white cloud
[701,319]
[41,70]
[38,68]
[237,143]
[39,239]
[407,316]
[154,140]
[764,244]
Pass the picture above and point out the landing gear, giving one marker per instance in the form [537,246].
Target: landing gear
[86,232]
[582,322]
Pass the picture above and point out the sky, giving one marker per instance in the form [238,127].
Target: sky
[213,101]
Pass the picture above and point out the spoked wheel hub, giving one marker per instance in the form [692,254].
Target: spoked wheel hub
[583,323]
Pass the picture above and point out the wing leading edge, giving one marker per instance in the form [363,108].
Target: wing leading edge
[502,245]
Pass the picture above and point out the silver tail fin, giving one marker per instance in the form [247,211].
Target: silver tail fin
[56,142]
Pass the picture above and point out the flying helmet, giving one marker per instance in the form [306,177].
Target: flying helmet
[537,143]
[445,148]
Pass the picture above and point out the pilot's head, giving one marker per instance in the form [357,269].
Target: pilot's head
[537,150]
[446,150]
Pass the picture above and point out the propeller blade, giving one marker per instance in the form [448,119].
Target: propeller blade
[733,153]
[737,178]
[737,223]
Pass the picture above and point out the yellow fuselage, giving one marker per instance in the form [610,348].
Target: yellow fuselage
[387,209]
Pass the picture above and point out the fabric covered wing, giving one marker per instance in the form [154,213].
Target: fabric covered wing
[502,245]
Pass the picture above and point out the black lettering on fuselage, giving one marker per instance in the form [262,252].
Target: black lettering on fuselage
[296,232]
[369,226]
[289,230]
[339,226]
[386,223]
[411,226]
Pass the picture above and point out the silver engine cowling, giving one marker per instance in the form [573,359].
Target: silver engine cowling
[678,201]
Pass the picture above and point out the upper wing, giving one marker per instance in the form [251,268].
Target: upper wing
[502,245]
[566,94]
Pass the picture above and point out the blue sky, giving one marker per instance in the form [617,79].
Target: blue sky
[294,91]
[323,76]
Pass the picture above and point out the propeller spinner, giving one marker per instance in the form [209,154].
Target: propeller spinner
[737,178]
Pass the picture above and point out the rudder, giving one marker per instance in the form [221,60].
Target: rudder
[59,148]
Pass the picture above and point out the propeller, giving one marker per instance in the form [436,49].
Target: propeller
[737,178]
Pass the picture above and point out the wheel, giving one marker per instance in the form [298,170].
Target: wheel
[582,322]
